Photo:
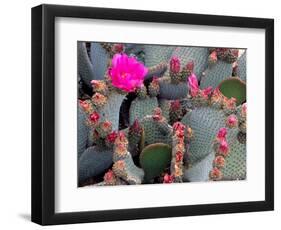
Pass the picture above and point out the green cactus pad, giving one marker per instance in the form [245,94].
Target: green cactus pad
[172,91]
[99,58]
[83,131]
[200,171]
[85,68]
[205,123]
[93,162]
[154,159]
[110,111]
[142,107]
[154,54]
[235,162]
[165,106]
[215,74]
[153,133]
[242,67]
[234,87]
[131,173]
[198,55]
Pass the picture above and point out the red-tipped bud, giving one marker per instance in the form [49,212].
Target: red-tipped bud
[219,162]
[190,66]
[215,174]
[223,148]
[117,48]
[175,65]
[175,105]
[168,179]
[232,121]
[221,133]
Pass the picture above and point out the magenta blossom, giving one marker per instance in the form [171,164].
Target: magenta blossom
[126,73]
[193,85]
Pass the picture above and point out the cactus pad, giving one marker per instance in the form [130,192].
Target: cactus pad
[154,159]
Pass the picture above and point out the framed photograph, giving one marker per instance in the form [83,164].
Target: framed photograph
[142,114]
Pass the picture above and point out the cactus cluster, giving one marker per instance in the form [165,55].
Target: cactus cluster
[160,114]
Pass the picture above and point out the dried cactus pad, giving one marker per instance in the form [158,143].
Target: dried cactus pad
[154,159]
[234,87]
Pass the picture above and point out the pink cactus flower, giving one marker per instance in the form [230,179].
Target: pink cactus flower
[126,73]
[223,148]
[193,85]
[175,64]
[206,92]
[232,121]
[221,133]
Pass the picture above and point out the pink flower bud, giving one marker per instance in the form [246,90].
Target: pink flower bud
[213,56]
[94,117]
[223,148]
[109,176]
[193,85]
[175,64]
[221,133]
[190,66]
[232,121]
[179,156]
[219,161]
[175,105]
[168,179]
[215,174]
[117,48]
[110,138]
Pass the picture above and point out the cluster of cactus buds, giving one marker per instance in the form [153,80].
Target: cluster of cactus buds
[200,97]
[221,149]
[113,48]
[242,114]
[178,151]
[224,54]
[177,73]
[218,100]
[176,111]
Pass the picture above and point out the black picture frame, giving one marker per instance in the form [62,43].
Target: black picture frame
[43,114]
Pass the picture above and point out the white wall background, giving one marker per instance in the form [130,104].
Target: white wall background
[15,113]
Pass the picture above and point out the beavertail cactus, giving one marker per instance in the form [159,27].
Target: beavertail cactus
[160,114]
